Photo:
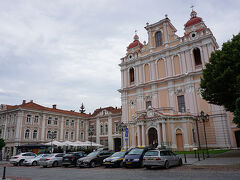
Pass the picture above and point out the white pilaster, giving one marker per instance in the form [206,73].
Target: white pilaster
[173,136]
[110,138]
[185,134]
[164,132]
[159,134]
[143,135]
[133,137]
[77,133]
[98,131]
[43,127]
[138,133]
[61,129]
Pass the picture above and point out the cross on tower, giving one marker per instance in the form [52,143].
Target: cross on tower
[135,31]
[192,6]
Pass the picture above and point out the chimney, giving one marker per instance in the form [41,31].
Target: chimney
[54,106]
[24,102]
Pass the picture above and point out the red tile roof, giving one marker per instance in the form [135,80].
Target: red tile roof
[134,44]
[192,21]
[34,106]
[111,109]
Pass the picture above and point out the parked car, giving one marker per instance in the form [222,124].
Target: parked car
[115,160]
[33,161]
[135,157]
[18,159]
[53,160]
[71,158]
[93,159]
[163,158]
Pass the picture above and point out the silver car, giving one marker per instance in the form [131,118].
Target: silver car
[33,161]
[52,160]
[19,158]
[161,158]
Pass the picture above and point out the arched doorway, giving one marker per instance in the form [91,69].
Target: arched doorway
[179,138]
[153,137]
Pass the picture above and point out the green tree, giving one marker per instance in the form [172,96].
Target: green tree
[221,78]
[236,118]
[82,109]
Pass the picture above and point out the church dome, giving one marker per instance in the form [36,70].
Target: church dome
[135,42]
[193,20]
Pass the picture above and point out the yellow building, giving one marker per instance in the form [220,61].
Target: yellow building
[160,89]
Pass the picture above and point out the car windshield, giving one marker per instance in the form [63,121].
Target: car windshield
[92,154]
[136,151]
[119,154]
[151,153]
[41,155]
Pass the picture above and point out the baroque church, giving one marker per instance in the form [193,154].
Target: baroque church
[160,89]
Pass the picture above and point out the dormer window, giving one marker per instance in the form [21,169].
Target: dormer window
[131,74]
[197,56]
[158,39]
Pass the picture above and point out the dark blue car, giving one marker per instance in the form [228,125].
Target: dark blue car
[135,157]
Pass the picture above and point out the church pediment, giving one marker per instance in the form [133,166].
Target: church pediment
[150,113]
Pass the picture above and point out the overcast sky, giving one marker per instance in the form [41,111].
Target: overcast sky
[66,52]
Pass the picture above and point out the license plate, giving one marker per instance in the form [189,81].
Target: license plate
[128,162]
[150,159]
[107,162]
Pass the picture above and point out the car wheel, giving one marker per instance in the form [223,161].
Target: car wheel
[121,164]
[55,164]
[44,166]
[34,163]
[21,162]
[148,167]
[166,166]
[180,162]
[92,164]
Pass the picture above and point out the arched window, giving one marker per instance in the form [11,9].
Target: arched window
[158,39]
[55,135]
[35,134]
[27,132]
[82,136]
[197,56]
[106,128]
[131,74]
[101,129]
[48,134]
[72,135]
[67,122]
[66,135]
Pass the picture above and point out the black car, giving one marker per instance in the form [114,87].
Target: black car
[93,159]
[115,160]
[71,158]
[135,157]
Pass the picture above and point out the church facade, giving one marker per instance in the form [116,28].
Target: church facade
[160,89]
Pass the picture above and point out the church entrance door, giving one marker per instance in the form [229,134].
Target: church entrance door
[153,137]
[179,137]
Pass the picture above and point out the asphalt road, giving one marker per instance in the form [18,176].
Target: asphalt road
[101,173]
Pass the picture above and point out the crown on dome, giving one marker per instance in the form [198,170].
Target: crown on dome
[193,14]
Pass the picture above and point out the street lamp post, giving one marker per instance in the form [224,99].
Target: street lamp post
[52,136]
[91,132]
[204,118]
[122,128]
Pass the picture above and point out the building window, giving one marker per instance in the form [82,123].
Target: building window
[55,135]
[106,143]
[56,121]
[116,127]
[131,75]
[15,118]
[106,128]
[72,123]
[101,129]
[197,56]
[49,120]
[8,133]
[158,39]
[66,135]
[36,119]
[72,135]
[35,134]
[81,136]
[49,135]
[181,103]
[82,124]
[29,118]
[27,133]
[67,122]
[148,104]
[13,133]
